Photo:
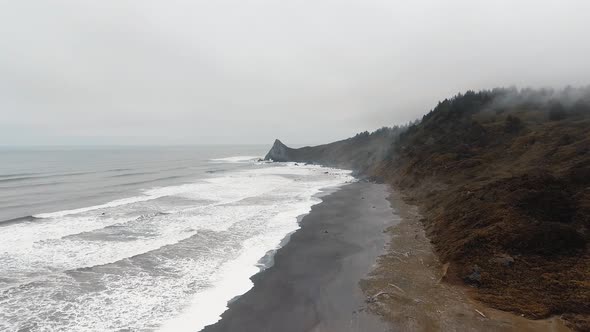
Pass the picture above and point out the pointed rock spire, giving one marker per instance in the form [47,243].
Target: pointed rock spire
[278,152]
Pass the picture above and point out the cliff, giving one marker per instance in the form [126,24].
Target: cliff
[502,179]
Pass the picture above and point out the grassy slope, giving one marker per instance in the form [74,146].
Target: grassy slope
[505,190]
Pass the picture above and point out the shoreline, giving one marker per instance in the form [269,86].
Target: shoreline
[363,239]
[313,283]
[236,276]
[267,261]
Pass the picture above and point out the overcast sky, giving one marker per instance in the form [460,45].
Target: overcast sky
[247,71]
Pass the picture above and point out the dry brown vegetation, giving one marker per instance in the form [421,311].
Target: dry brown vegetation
[503,180]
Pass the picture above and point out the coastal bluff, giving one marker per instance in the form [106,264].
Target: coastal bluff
[359,153]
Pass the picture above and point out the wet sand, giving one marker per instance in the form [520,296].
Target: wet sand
[314,282]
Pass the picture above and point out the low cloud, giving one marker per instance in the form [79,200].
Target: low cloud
[229,71]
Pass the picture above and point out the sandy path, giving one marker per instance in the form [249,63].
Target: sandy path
[418,301]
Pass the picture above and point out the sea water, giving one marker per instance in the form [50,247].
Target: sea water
[141,239]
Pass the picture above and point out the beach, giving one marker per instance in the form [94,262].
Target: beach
[362,262]
[313,284]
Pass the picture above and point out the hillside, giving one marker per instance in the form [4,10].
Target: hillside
[360,153]
[502,179]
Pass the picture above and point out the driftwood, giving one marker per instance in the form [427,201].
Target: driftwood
[445,270]
[373,299]
[396,287]
[481,313]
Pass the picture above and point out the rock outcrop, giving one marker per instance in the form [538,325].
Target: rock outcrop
[279,152]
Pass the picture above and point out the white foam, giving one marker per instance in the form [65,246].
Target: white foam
[236,159]
[188,285]
[233,279]
[112,204]
[223,190]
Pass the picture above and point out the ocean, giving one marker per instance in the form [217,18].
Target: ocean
[142,238]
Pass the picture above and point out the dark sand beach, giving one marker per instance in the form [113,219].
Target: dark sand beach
[361,241]
[314,282]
